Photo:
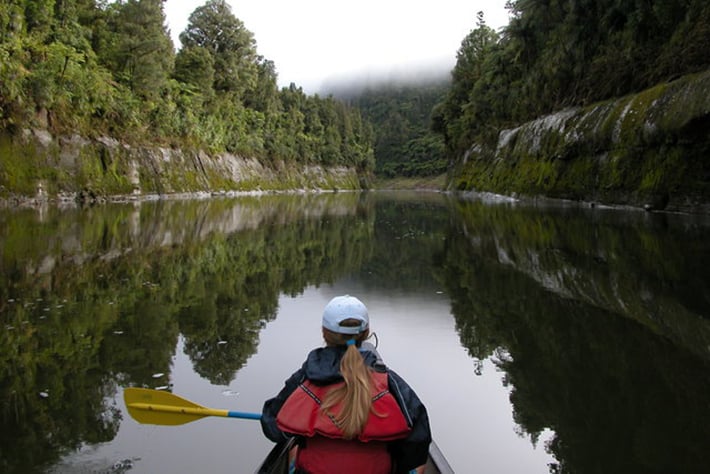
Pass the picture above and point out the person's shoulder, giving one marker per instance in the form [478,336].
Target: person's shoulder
[399,381]
[321,353]
[373,361]
[372,357]
[323,365]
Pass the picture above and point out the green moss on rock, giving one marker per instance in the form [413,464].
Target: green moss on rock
[107,168]
[647,149]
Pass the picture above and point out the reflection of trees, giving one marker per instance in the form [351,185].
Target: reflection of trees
[89,300]
[142,341]
[37,430]
[408,235]
[54,386]
[224,307]
[606,385]
[226,301]
[618,396]
[99,298]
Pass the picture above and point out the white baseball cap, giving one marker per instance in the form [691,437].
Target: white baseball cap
[345,307]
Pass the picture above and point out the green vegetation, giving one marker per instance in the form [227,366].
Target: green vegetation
[436,183]
[555,54]
[578,313]
[400,114]
[646,149]
[552,56]
[96,68]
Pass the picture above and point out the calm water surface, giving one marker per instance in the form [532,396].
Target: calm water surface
[541,339]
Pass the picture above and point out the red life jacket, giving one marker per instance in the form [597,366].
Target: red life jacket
[322,455]
[326,450]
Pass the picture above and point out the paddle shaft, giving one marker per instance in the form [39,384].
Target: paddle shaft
[195,411]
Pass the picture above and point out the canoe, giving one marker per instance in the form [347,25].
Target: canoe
[276,461]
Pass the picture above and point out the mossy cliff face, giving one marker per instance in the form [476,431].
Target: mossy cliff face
[650,150]
[38,165]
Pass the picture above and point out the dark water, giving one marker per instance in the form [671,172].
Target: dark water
[541,339]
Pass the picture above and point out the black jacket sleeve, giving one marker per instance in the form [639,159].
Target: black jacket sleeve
[412,451]
[273,405]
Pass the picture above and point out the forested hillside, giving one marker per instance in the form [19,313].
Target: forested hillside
[554,54]
[97,68]
[400,114]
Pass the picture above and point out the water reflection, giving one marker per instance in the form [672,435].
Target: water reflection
[97,298]
[598,319]
[654,269]
[600,324]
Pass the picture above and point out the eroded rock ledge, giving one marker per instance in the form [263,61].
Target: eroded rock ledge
[37,166]
[649,150]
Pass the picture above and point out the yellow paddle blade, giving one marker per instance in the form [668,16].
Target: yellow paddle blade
[163,408]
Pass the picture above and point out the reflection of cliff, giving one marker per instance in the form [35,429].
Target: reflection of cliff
[92,299]
[620,396]
[111,230]
[627,264]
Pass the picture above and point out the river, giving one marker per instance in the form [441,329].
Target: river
[541,337]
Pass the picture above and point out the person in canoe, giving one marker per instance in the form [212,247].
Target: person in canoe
[348,411]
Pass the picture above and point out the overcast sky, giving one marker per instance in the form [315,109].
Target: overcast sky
[312,42]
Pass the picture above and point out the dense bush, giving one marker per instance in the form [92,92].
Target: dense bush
[555,54]
[97,68]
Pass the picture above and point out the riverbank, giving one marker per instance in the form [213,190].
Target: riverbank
[429,183]
[647,150]
[38,167]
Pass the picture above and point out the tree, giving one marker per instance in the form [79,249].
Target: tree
[12,71]
[194,65]
[555,54]
[142,54]
[458,118]
[264,96]
[214,27]
[401,116]
[98,67]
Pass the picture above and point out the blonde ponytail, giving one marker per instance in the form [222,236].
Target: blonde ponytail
[355,396]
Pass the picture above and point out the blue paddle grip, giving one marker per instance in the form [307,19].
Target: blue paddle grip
[241,414]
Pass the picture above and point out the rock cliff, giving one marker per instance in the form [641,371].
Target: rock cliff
[650,149]
[36,165]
